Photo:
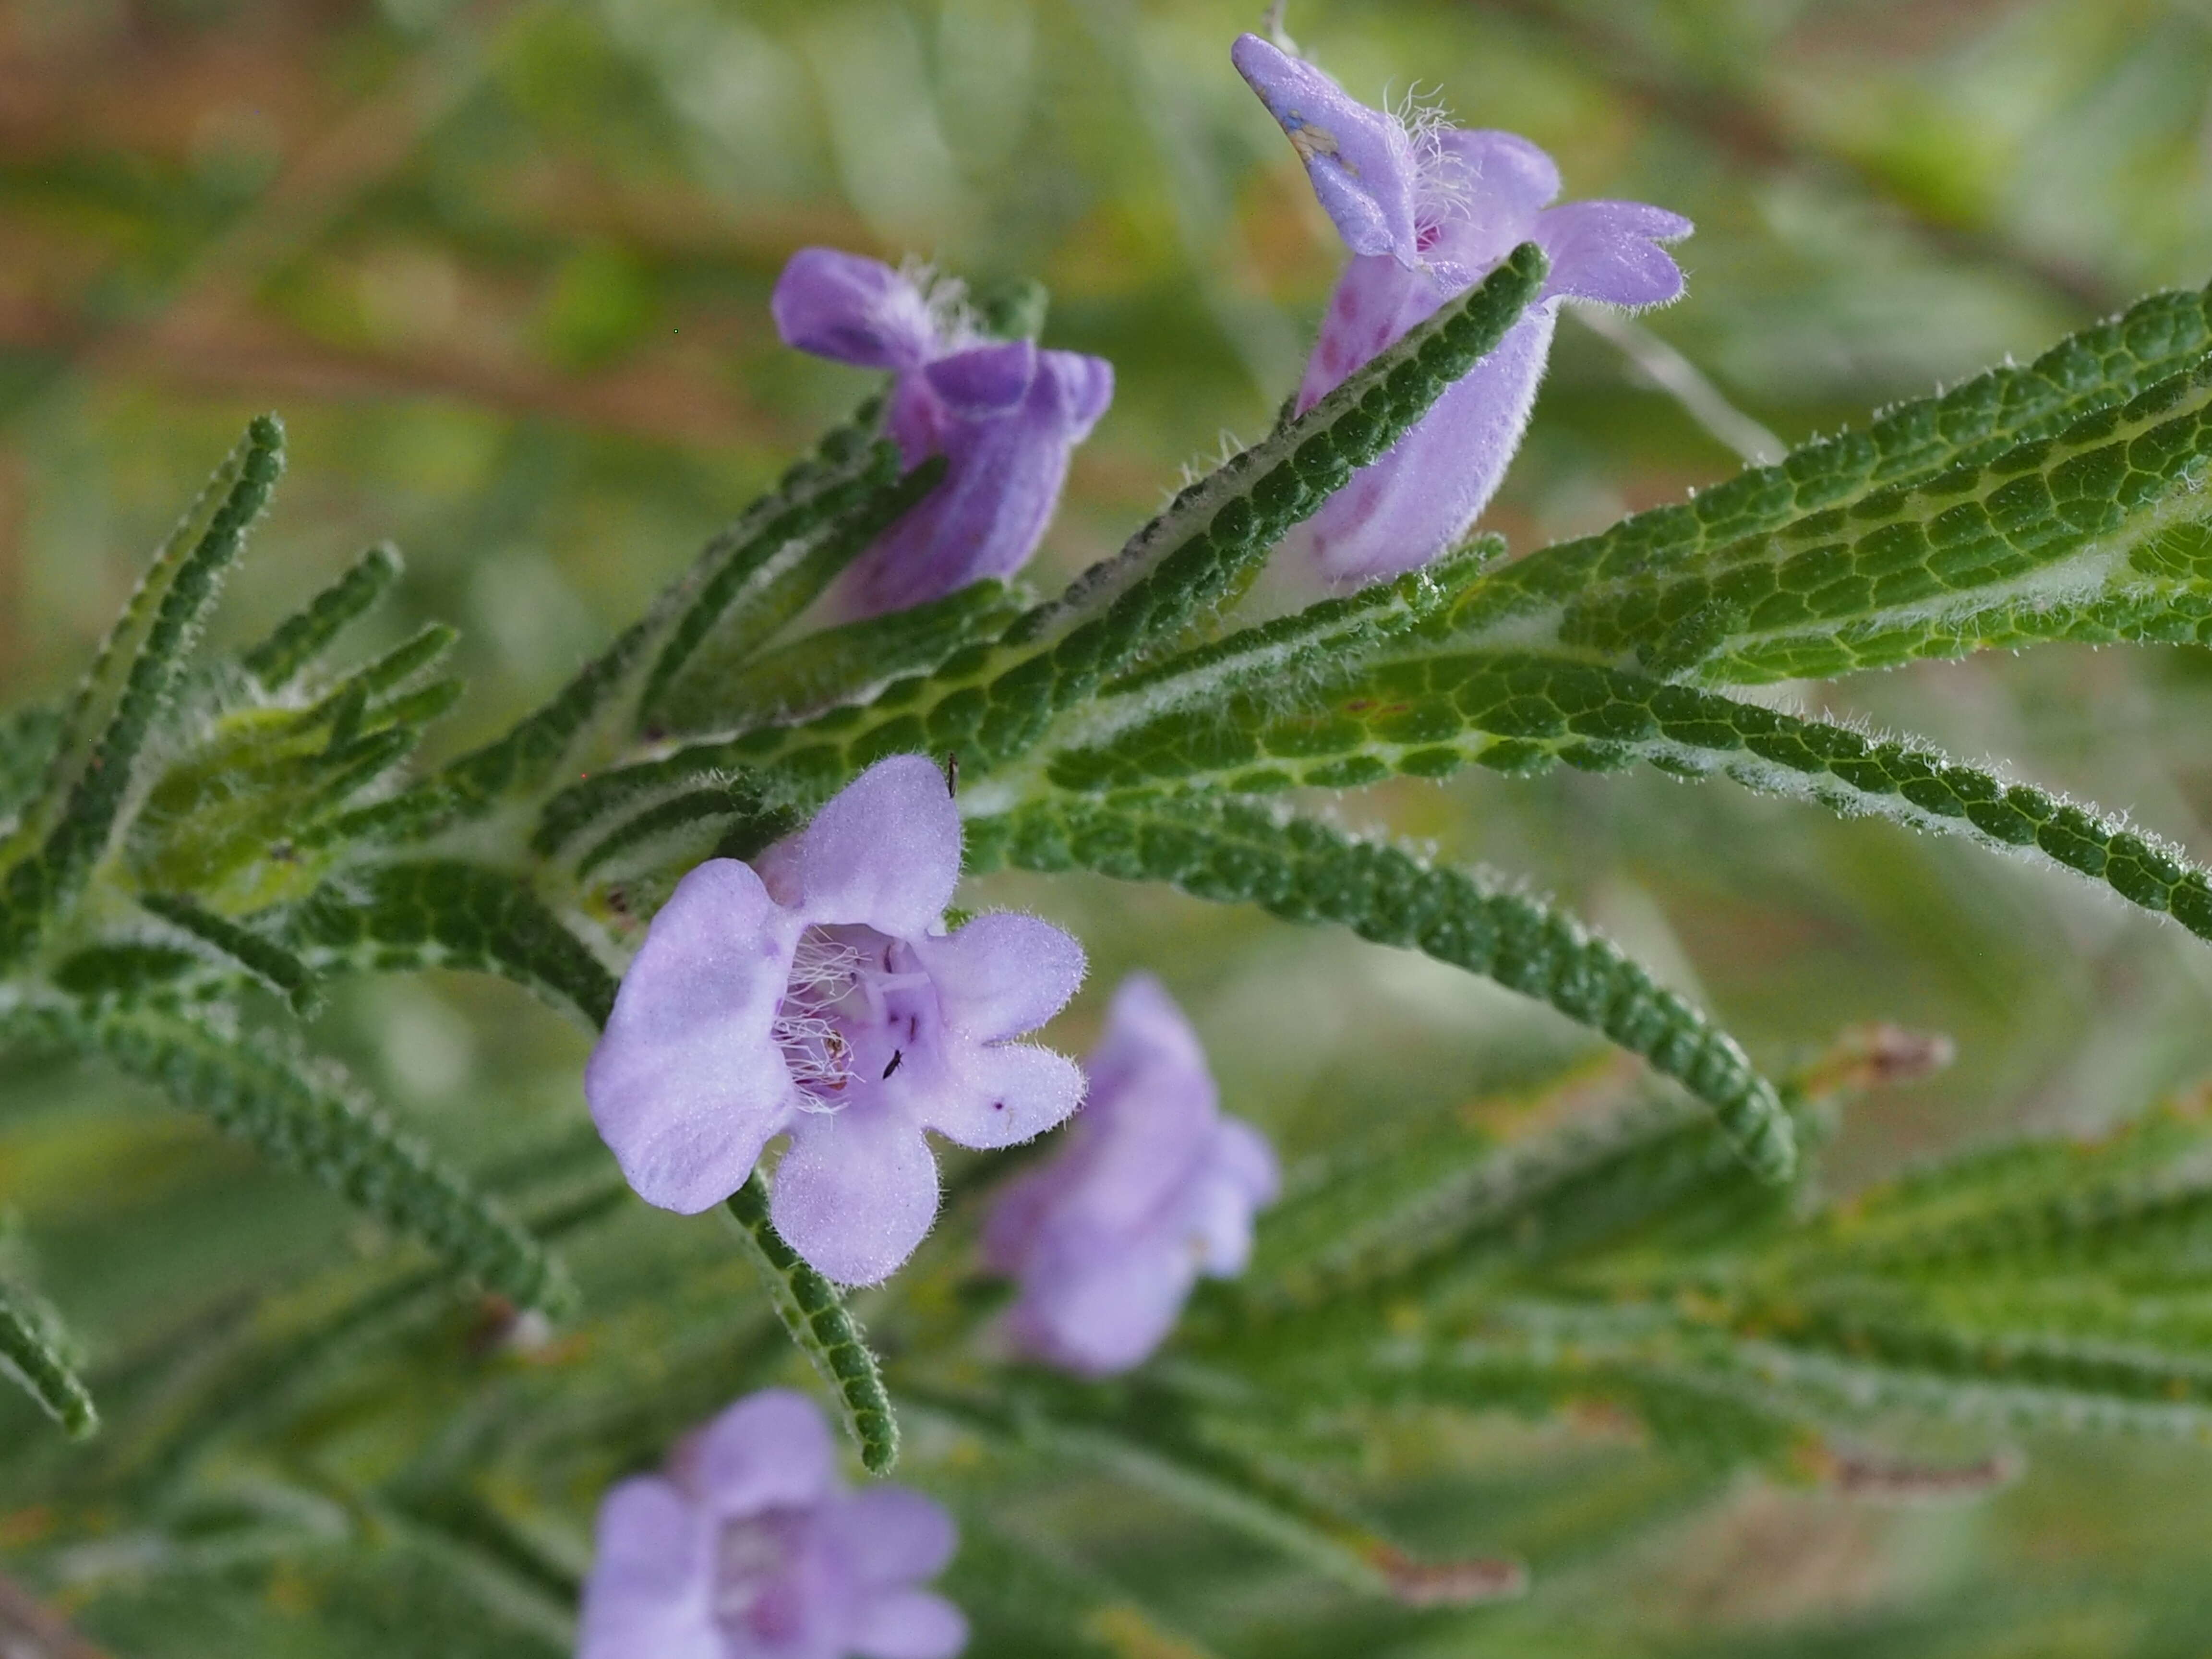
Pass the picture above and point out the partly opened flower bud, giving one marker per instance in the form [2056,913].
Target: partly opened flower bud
[1427,214]
[1004,414]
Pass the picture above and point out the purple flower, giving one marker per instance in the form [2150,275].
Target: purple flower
[1155,1188]
[1428,210]
[818,995]
[751,1548]
[1003,414]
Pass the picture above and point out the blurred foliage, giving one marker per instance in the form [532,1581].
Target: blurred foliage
[504,267]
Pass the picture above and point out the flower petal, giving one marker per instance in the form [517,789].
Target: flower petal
[1239,1178]
[1001,975]
[1085,388]
[1019,1212]
[686,1084]
[1608,251]
[893,1535]
[1506,178]
[1360,160]
[1422,497]
[1003,1095]
[1375,302]
[856,1192]
[885,851]
[1098,1313]
[647,1591]
[910,1624]
[984,380]
[1147,1031]
[1002,482]
[853,310]
[770,1450]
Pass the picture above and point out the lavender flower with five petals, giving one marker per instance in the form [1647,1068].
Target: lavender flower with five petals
[1155,1188]
[1004,414]
[818,995]
[751,1548]
[1428,210]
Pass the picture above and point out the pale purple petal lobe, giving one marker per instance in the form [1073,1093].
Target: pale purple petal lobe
[894,1535]
[1609,252]
[911,1624]
[1082,387]
[857,1191]
[1003,1095]
[686,1084]
[647,1592]
[985,381]
[1003,973]
[1360,160]
[885,852]
[852,309]
[769,1450]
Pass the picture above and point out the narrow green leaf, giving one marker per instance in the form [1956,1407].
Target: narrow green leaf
[29,1354]
[129,689]
[804,553]
[1717,1419]
[263,958]
[1970,426]
[1583,1186]
[1149,1437]
[814,1314]
[837,664]
[988,704]
[301,636]
[1428,715]
[1307,872]
[303,1117]
[2099,534]
[758,564]
[734,569]
[1868,1365]
[446,912]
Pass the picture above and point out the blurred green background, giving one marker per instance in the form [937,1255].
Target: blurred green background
[504,268]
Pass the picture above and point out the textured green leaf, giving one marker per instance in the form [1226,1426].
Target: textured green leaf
[446,912]
[1426,716]
[1716,1419]
[802,552]
[129,689]
[815,1314]
[1868,1365]
[303,1117]
[300,637]
[29,1354]
[1305,872]
[1845,528]
[1582,1187]
[839,664]
[27,738]
[1147,1435]
[751,578]
[261,956]
[988,704]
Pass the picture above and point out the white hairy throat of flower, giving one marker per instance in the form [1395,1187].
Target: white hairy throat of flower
[753,1560]
[835,1016]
